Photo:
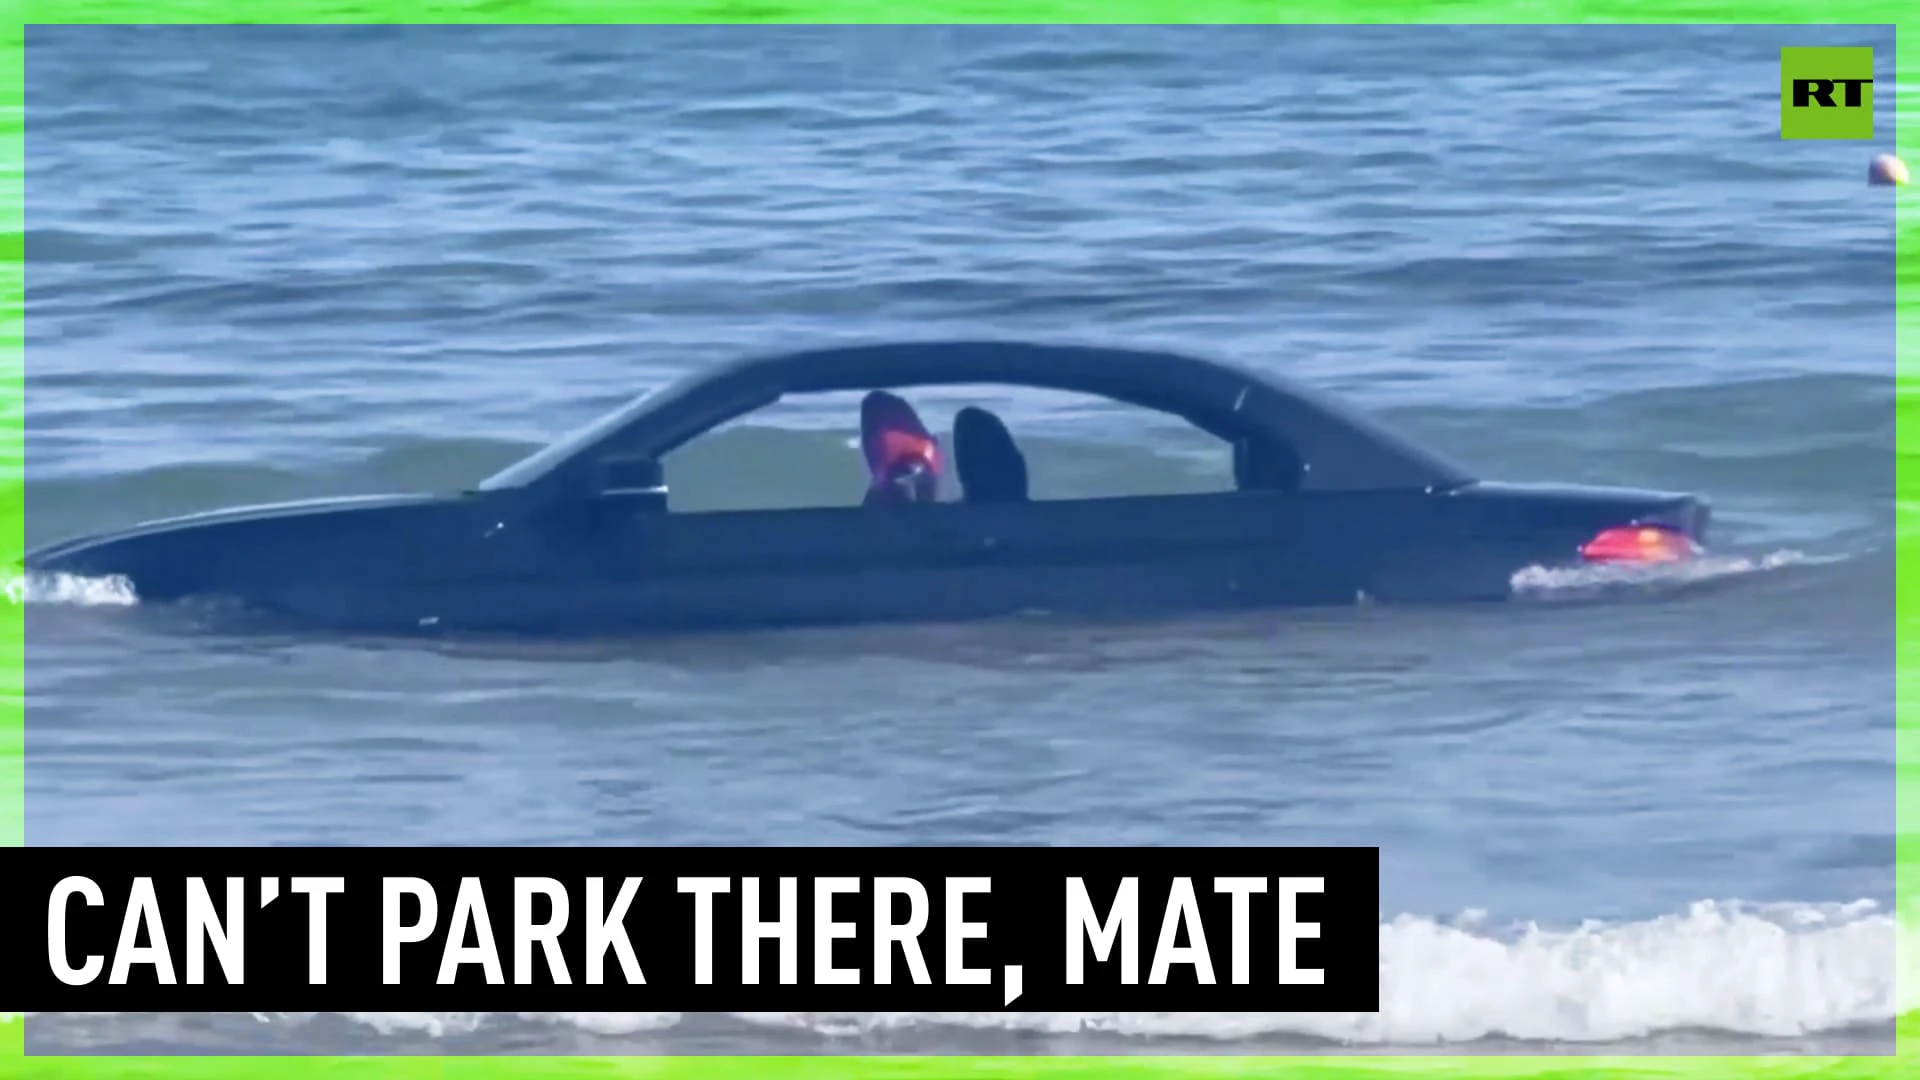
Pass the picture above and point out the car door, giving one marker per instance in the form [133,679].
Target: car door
[1157,553]
[753,568]
[1093,557]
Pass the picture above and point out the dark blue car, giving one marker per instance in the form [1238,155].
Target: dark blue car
[1328,507]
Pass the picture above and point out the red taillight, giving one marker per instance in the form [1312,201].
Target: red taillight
[1640,544]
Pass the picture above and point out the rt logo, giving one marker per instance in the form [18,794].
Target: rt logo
[1826,93]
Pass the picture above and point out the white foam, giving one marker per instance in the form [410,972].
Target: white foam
[68,589]
[1754,970]
[440,1025]
[1566,582]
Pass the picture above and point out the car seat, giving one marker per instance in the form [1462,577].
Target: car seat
[990,465]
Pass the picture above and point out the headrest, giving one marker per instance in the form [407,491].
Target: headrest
[990,464]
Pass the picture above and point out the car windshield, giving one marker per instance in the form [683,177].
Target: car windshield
[541,462]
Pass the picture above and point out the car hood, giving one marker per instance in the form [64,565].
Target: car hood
[261,512]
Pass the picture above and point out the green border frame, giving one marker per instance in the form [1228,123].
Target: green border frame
[14,1063]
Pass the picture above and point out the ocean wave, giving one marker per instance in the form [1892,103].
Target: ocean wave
[71,590]
[1609,579]
[1742,969]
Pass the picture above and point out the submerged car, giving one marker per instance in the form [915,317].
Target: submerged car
[1328,507]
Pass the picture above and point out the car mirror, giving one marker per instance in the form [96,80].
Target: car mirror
[632,479]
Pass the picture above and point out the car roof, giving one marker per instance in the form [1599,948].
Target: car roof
[1342,449]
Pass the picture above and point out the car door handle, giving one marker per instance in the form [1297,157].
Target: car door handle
[961,542]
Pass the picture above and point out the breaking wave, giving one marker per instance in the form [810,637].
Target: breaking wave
[1771,971]
[1749,971]
[71,591]
[1607,579]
